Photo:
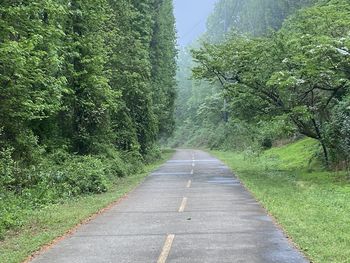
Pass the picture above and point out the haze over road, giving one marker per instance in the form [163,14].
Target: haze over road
[192,209]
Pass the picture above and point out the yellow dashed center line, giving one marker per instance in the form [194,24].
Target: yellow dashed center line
[166,249]
[183,205]
[170,238]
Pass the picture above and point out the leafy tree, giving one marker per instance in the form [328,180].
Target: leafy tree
[31,75]
[163,54]
[238,118]
[307,73]
[88,107]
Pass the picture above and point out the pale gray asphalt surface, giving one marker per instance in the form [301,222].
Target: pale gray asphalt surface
[221,222]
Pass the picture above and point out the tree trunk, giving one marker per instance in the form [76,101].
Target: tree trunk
[325,152]
[322,141]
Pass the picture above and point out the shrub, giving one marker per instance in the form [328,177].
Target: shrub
[12,211]
[80,175]
[9,171]
[338,132]
[59,175]
[153,154]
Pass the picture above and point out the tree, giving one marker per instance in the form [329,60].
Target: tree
[163,54]
[85,76]
[31,74]
[307,72]
[253,17]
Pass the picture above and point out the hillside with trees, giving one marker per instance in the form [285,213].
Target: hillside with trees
[253,88]
[266,89]
[87,90]
[253,17]
[91,90]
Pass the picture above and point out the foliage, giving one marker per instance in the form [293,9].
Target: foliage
[203,118]
[87,89]
[307,74]
[338,132]
[163,73]
[77,75]
[31,227]
[59,177]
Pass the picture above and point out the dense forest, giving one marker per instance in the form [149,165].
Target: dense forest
[92,90]
[271,72]
[254,17]
[87,90]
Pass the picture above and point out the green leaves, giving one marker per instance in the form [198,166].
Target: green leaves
[86,73]
[302,71]
[86,89]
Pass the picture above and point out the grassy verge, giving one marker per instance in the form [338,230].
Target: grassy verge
[312,205]
[44,225]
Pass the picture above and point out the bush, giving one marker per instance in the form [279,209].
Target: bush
[59,175]
[153,154]
[6,168]
[12,210]
[338,132]
[56,178]
[80,175]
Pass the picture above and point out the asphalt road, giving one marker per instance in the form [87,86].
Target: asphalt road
[192,209]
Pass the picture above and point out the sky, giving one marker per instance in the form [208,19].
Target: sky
[191,17]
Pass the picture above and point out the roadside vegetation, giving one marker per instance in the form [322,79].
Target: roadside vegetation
[250,89]
[267,90]
[87,91]
[311,204]
[37,225]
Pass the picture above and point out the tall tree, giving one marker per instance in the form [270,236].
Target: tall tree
[86,75]
[163,53]
[307,73]
[89,105]
[31,77]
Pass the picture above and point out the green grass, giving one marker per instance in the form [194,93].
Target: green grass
[46,224]
[299,155]
[311,204]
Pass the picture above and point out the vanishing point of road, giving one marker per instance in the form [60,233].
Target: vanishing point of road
[192,209]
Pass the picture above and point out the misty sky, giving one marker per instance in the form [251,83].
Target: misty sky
[191,16]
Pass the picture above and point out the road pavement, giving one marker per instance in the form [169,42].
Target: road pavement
[191,209]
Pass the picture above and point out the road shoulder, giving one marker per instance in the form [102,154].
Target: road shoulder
[53,223]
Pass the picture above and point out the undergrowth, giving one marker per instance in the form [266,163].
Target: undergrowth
[59,177]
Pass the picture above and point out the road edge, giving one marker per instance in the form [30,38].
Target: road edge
[274,219]
[93,216]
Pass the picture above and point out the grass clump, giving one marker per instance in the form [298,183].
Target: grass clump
[310,203]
